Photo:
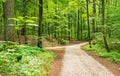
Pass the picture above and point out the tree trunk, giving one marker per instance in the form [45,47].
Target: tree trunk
[81,28]
[88,23]
[9,30]
[93,20]
[40,23]
[69,27]
[71,35]
[24,25]
[78,30]
[103,30]
[1,21]
[75,28]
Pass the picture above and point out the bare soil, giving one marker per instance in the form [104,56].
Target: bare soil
[57,64]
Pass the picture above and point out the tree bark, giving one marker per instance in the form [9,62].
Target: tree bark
[40,23]
[103,30]
[69,27]
[25,25]
[78,29]
[9,30]
[88,23]
[93,20]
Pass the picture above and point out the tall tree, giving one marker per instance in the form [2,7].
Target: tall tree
[9,30]
[24,30]
[69,26]
[1,18]
[103,30]
[78,30]
[88,23]
[94,15]
[40,23]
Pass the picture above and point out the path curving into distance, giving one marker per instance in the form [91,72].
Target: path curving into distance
[78,63]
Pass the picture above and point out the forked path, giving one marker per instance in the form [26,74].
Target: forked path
[78,63]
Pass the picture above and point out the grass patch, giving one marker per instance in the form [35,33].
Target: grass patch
[25,61]
[101,51]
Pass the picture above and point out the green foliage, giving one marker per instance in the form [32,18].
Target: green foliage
[113,56]
[63,42]
[60,19]
[26,61]
[101,51]
[98,38]
[3,0]
[4,46]
[96,48]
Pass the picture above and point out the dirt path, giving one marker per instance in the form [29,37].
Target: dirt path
[78,63]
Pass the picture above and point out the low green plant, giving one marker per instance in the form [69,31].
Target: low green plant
[4,46]
[112,56]
[26,61]
[63,42]
[101,51]
[96,48]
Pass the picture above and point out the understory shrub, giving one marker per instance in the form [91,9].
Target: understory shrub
[25,61]
[63,42]
[101,51]
[113,56]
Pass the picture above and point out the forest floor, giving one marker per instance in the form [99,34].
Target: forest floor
[73,61]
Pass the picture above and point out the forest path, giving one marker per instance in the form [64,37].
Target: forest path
[78,63]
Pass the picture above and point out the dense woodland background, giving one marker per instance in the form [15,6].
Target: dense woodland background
[59,21]
[96,20]
[68,19]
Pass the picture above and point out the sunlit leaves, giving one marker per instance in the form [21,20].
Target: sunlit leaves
[3,0]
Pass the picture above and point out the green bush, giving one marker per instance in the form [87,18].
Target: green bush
[26,61]
[63,42]
[96,48]
[113,56]
[4,46]
[98,39]
[101,51]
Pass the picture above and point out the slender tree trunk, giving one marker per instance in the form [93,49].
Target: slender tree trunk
[81,27]
[9,30]
[25,30]
[25,25]
[49,29]
[1,25]
[103,30]
[93,20]
[40,23]
[69,27]
[1,21]
[75,28]
[88,23]
[78,30]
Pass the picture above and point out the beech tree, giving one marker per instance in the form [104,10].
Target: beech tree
[62,19]
[9,30]
[93,20]
[103,25]
[88,23]
[40,23]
